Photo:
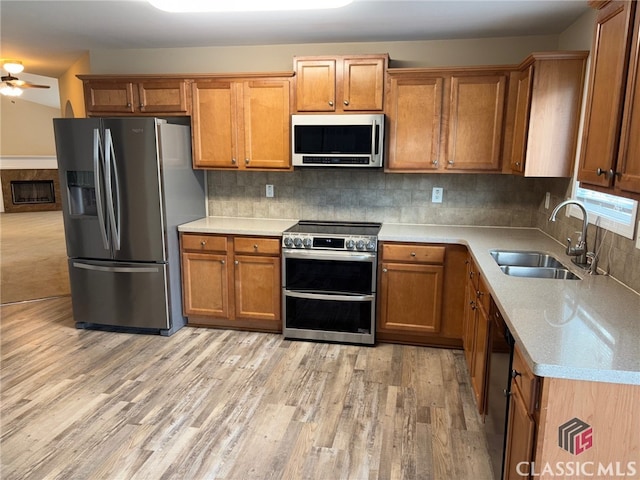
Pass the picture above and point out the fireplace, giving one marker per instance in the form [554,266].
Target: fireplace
[30,190]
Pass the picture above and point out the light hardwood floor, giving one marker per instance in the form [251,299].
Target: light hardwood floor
[221,404]
[33,256]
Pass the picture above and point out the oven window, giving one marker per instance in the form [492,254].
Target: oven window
[329,276]
[329,315]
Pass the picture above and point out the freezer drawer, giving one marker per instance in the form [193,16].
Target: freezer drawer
[119,294]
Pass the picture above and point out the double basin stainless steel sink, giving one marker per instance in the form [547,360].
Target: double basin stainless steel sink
[531,264]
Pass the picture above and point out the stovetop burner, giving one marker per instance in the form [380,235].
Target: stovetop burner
[329,235]
[335,228]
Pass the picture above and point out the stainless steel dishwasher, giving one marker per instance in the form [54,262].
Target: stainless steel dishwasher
[498,390]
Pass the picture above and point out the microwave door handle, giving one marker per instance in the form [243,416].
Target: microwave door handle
[97,179]
[374,137]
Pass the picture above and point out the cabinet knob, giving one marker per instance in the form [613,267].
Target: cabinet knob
[255,246]
[223,262]
[234,161]
[434,163]
[515,373]
[203,243]
[246,161]
[346,102]
[331,103]
[384,270]
[236,262]
[517,164]
[413,254]
[128,105]
[142,105]
[450,162]
[600,171]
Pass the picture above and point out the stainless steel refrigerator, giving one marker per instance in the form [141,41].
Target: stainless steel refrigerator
[126,184]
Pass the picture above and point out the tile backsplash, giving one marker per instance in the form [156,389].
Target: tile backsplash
[372,195]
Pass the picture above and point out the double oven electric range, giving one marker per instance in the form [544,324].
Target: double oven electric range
[329,281]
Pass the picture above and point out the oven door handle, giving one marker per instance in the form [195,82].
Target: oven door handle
[325,296]
[324,255]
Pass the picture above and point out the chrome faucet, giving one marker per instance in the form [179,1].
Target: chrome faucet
[581,256]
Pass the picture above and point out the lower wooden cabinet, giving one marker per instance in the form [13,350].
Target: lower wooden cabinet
[522,422]
[418,301]
[231,281]
[477,332]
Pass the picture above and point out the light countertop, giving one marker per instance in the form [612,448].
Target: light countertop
[586,329]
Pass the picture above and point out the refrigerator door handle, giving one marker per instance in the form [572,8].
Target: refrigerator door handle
[97,169]
[101,268]
[114,207]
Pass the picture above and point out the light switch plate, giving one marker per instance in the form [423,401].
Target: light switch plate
[436,195]
[269,191]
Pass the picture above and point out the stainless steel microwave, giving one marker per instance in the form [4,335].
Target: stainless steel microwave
[337,140]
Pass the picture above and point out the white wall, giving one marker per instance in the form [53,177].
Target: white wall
[434,53]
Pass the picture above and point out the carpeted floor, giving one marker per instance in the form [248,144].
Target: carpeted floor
[33,256]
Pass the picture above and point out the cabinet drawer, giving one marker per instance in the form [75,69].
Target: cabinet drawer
[413,253]
[264,246]
[204,243]
[524,380]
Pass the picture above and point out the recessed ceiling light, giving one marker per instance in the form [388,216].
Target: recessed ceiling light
[244,5]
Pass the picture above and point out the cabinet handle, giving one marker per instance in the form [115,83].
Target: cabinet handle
[346,102]
[331,103]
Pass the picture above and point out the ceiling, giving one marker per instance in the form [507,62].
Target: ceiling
[50,35]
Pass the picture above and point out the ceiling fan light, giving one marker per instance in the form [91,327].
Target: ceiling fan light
[13,66]
[244,5]
[9,91]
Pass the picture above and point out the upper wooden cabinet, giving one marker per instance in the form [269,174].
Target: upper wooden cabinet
[140,95]
[610,156]
[446,120]
[340,83]
[547,111]
[241,123]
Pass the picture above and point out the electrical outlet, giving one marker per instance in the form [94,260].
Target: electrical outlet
[436,195]
[547,200]
[269,191]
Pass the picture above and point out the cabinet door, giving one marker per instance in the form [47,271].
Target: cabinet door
[605,98]
[214,124]
[520,433]
[480,357]
[205,285]
[414,114]
[521,126]
[257,287]
[266,123]
[105,97]
[628,166]
[469,325]
[363,84]
[476,122]
[315,85]
[168,96]
[411,297]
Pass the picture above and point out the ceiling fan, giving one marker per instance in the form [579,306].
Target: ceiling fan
[11,85]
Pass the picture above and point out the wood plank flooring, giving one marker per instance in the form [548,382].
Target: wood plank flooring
[222,404]
[33,256]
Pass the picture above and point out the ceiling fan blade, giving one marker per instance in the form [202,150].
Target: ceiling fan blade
[24,84]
